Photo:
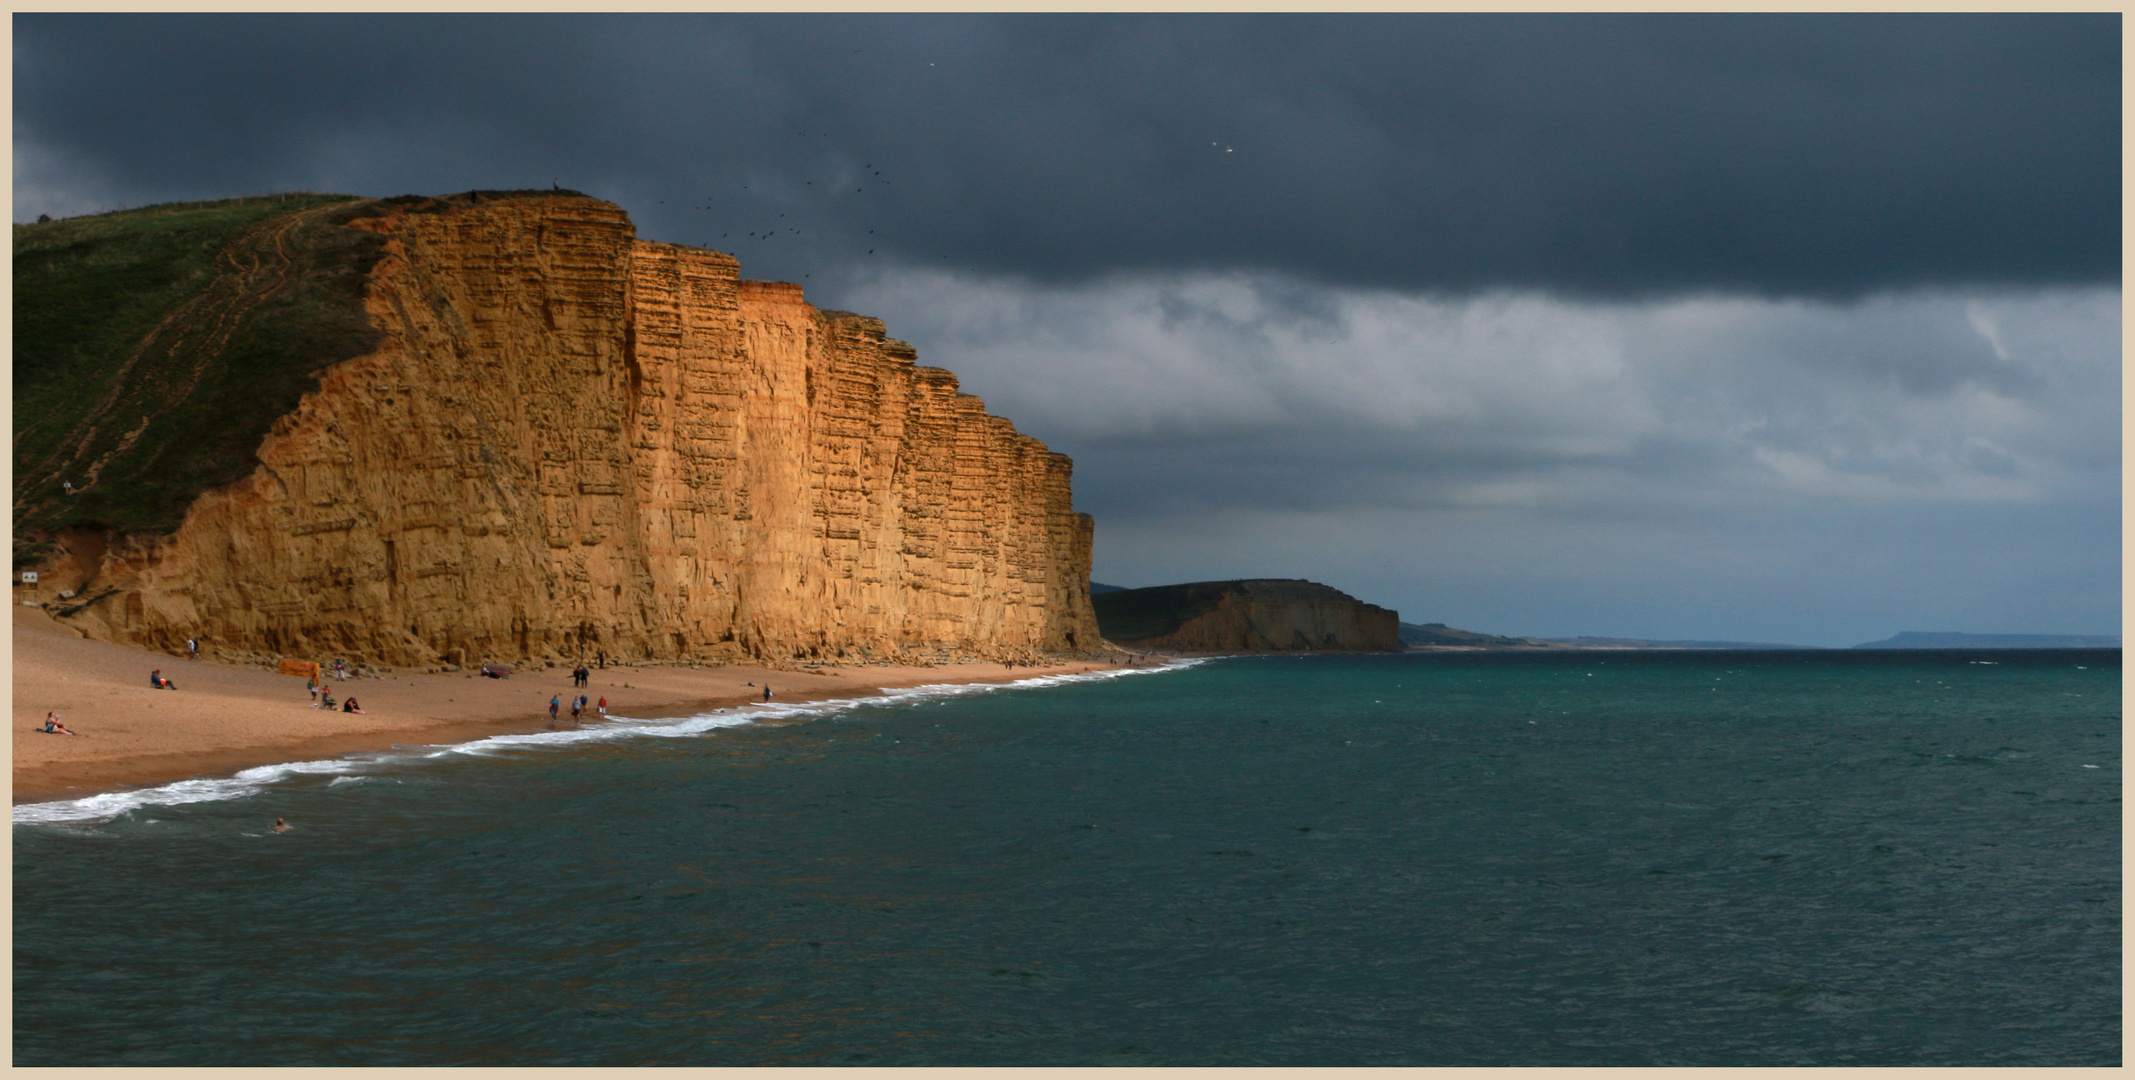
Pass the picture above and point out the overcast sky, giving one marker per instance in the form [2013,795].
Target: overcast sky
[1773,328]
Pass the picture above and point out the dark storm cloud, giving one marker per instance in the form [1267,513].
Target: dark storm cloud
[1193,394]
[1823,156]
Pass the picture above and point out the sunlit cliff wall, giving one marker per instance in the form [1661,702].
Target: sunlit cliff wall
[573,440]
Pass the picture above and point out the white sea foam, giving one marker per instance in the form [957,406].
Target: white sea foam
[350,770]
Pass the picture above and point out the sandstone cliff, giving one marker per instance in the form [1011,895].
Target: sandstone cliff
[567,439]
[1278,615]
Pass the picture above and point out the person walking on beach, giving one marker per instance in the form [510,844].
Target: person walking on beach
[602,708]
[576,709]
[555,703]
[192,648]
[767,691]
[340,669]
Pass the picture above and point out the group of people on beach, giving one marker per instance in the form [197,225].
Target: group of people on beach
[578,707]
[322,698]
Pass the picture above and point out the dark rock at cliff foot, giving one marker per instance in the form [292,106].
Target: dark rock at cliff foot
[1266,615]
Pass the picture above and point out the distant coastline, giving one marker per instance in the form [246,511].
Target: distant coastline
[1929,639]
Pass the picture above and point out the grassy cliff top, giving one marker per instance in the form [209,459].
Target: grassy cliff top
[155,347]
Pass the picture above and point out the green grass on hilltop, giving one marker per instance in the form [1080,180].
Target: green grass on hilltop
[155,347]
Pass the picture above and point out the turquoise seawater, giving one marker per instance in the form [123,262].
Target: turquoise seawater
[1745,858]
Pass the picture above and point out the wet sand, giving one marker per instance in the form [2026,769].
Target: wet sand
[223,717]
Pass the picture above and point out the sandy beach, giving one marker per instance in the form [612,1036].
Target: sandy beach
[222,718]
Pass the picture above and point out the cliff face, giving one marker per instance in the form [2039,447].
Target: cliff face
[570,439]
[1281,615]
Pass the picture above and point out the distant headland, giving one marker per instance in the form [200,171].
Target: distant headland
[1256,615]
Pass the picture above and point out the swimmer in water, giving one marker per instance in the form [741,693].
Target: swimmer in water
[280,825]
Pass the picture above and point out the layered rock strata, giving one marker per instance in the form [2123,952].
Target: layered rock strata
[571,440]
[1265,615]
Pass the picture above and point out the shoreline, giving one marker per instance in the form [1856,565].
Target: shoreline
[224,718]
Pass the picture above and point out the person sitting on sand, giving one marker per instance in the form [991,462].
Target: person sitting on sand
[52,726]
[156,679]
[351,706]
[326,699]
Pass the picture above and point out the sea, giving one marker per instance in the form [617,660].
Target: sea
[1543,859]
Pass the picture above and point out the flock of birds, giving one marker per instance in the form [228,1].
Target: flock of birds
[775,230]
